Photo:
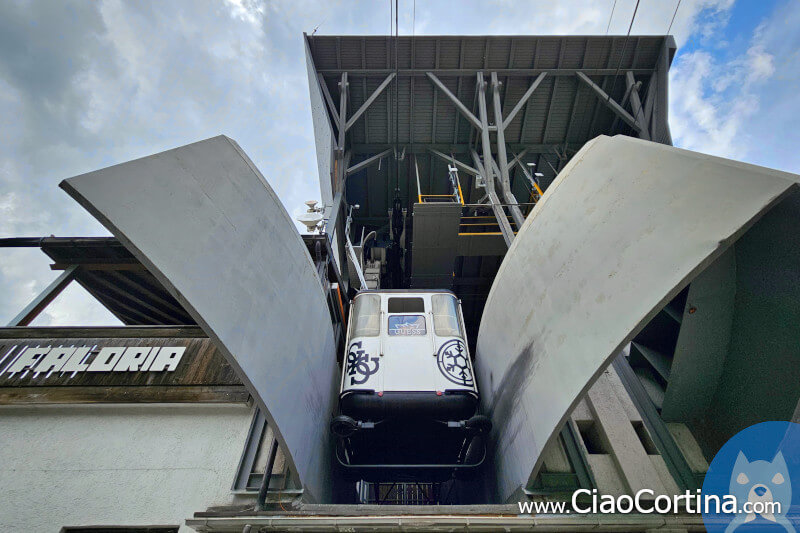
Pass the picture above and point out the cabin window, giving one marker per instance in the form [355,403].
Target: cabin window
[407,325]
[406,305]
[445,315]
[366,316]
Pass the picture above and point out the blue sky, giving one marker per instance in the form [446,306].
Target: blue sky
[84,85]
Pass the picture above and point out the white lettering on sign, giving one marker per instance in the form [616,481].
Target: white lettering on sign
[54,359]
[135,359]
[47,359]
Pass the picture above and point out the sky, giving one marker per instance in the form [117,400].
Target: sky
[84,85]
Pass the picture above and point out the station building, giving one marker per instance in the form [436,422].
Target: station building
[209,409]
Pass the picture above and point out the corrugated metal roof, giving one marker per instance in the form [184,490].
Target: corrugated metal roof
[562,114]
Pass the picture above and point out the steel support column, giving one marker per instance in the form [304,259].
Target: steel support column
[502,158]
[636,105]
[494,201]
[488,163]
[333,113]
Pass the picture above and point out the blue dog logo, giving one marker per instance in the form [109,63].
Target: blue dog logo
[756,469]
[762,484]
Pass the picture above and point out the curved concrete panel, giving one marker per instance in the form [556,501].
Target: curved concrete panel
[205,222]
[625,226]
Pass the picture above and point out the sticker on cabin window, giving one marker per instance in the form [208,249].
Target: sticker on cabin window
[360,366]
[453,364]
[407,325]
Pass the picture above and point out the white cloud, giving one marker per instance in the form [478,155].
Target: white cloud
[86,85]
[712,102]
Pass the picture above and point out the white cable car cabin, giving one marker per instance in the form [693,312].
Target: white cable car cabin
[408,400]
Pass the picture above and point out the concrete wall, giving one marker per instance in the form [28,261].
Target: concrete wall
[625,226]
[82,465]
[764,350]
[207,225]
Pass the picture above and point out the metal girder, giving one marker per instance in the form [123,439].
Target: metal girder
[470,72]
[44,298]
[368,162]
[505,183]
[421,148]
[636,105]
[610,103]
[517,159]
[533,364]
[612,130]
[461,166]
[500,215]
[525,97]
[342,113]
[336,208]
[494,201]
[483,128]
[488,164]
[333,113]
[368,102]
[460,106]
[354,258]
[516,214]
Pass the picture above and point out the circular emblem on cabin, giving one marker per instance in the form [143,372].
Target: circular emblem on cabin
[453,364]
[358,364]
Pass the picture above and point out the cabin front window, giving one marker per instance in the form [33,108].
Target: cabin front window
[406,305]
[445,316]
[366,320]
[407,325]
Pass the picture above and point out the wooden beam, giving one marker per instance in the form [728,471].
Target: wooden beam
[124,394]
[136,267]
[44,298]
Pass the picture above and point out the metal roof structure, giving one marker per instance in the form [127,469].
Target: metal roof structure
[562,113]
[413,106]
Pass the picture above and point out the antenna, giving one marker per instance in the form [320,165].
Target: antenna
[311,219]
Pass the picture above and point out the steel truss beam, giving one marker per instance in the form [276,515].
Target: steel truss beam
[488,163]
[369,102]
[494,201]
[461,166]
[368,162]
[636,105]
[342,113]
[610,103]
[333,114]
[505,182]
[420,148]
[525,97]
[460,106]
[515,72]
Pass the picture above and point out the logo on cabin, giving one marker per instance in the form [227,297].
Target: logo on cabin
[358,364]
[453,364]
